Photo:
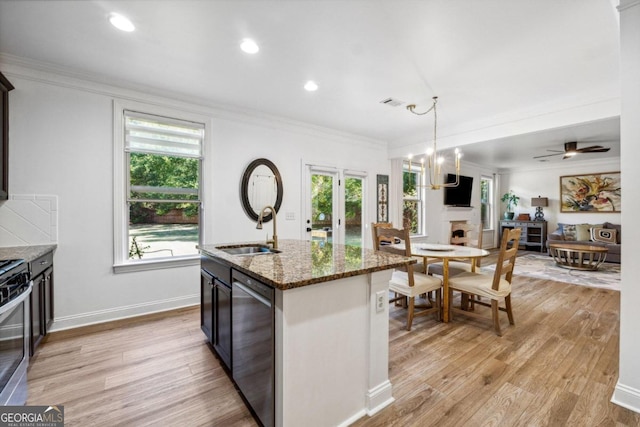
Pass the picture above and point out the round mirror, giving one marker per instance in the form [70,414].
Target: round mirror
[261,186]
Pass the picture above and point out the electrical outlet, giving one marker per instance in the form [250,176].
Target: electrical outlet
[380,300]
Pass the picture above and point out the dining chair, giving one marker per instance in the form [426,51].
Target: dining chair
[496,287]
[461,234]
[409,283]
[379,241]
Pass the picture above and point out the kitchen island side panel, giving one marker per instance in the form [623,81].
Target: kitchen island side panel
[332,351]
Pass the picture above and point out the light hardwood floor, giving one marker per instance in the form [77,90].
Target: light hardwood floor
[558,366]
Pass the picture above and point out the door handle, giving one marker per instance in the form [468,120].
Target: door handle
[308,229]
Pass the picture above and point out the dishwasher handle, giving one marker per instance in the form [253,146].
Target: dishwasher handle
[252,293]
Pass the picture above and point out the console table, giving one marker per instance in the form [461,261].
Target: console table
[534,233]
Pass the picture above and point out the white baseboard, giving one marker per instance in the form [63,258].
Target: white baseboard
[379,397]
[627,397]
[101,316]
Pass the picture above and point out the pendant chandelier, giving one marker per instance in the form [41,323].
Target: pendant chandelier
[435,161]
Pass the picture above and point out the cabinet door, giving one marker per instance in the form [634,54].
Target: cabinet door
[222,316]
[37,315]
[48,299]
[206,304]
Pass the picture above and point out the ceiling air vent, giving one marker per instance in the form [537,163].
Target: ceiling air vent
[392,102]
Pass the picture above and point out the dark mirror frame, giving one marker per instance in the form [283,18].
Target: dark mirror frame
[244,189]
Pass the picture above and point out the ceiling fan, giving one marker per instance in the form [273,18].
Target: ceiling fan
[571,149]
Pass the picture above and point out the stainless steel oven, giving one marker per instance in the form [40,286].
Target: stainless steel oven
[15,287]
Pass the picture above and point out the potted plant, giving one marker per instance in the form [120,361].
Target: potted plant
[512,201]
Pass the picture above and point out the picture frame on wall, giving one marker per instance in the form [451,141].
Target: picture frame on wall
[593,193]
[382,186]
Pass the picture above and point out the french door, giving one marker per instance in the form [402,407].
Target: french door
[334,205]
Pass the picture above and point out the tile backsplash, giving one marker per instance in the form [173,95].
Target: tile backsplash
[29,219]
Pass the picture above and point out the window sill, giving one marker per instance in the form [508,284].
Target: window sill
[156,264]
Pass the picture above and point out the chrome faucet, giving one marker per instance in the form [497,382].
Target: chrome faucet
[274,239]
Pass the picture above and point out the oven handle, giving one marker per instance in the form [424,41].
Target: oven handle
[14,302]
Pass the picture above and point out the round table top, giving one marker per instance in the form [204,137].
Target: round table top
[437,250]
[578,247]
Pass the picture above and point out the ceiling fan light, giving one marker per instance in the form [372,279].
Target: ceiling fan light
[311,86]
[121,22]
[249,46]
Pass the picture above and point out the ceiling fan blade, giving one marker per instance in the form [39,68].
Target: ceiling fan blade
[549,155]
[593,149]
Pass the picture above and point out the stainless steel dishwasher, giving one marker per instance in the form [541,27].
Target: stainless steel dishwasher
[252,323]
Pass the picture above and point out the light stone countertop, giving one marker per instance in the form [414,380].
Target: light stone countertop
[303,262]
[28,253]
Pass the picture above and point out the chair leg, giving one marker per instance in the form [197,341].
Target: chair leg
[507,303]
[496,319]
[410,313]
[438,305]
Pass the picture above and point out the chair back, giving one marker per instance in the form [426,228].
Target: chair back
[386,233]
[378,240]
[507,256]
[460,233]
[467,235]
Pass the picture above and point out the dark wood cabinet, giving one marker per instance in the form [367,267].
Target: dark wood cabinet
[215,306]
[534,233]
[37,321]
[206,304]
[41,300]
[5,87]
[222,321]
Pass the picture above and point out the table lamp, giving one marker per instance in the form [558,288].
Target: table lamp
[539,203]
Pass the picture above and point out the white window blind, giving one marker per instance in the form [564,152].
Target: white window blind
[146,133]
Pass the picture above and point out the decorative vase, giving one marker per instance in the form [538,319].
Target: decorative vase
[509,215]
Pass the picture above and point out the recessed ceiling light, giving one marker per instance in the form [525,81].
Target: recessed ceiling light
[121,22]
[311,86]
[249,46]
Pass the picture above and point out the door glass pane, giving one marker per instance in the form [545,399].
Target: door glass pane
[322,207]
[353,211]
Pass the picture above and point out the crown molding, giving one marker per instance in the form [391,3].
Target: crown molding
[627,4]
[47,73]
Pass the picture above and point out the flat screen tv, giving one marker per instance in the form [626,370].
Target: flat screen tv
[460,195]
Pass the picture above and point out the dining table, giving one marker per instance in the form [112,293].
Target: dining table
[446,253]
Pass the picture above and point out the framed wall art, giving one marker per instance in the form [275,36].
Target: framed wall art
[383,198]
[597,192]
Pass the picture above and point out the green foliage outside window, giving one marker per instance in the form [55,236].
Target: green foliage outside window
[410,208]
[162,172]
[322,196]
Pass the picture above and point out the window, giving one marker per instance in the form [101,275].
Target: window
[161,176]
[412,210]
[486,202]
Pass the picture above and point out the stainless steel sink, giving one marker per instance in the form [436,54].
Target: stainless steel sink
[248,250]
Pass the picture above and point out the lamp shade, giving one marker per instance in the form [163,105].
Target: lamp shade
[540,201]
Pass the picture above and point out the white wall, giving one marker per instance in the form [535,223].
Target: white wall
[61,137]
[627,392]
[545,181]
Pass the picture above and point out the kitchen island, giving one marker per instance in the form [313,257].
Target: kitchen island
[331,327]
